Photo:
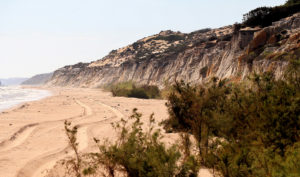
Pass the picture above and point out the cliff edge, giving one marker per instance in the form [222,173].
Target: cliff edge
[229,52]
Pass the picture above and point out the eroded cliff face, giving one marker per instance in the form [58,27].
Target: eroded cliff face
[227,52]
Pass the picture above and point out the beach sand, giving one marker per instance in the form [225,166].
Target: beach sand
[32,135]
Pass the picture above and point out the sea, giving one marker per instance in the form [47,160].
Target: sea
[11,96]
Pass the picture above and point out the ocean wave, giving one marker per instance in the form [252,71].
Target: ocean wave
[12,96]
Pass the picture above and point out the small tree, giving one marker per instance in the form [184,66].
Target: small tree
[251,126]
[71,133]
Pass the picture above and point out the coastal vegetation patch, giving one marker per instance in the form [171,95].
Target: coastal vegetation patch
[131,89]
[264,16]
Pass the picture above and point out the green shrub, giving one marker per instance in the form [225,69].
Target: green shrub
[141,154]
[151,90]
[264,16]
[120,89]
[292,2]
[254,128]
[75,164]
[138,153]
[130,89]
[138,93]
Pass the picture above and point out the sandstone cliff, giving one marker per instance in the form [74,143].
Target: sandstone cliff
[228,52]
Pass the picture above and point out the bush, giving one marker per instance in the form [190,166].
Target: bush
[264,16]
[152,91]
[138,93]
[242,130]
[292,2]
[130,89]
[138,153]
[121,89]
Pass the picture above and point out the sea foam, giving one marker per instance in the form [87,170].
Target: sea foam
[13,95]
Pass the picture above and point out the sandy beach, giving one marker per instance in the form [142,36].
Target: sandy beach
[32,136]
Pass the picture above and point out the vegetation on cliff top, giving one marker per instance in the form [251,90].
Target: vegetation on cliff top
[264,16]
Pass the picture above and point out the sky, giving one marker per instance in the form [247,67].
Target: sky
[40,36]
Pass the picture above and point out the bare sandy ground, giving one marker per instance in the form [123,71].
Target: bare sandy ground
[32,136]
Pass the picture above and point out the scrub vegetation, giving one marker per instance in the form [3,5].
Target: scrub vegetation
[242,129]
[264,16]
[130,89]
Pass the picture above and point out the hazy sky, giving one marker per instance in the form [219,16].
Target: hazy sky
[38,36]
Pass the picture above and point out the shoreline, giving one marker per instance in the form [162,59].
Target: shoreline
[37,98]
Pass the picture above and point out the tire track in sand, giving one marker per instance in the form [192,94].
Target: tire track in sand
[23,171]
[20,136]
[44,162]
[82,136]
